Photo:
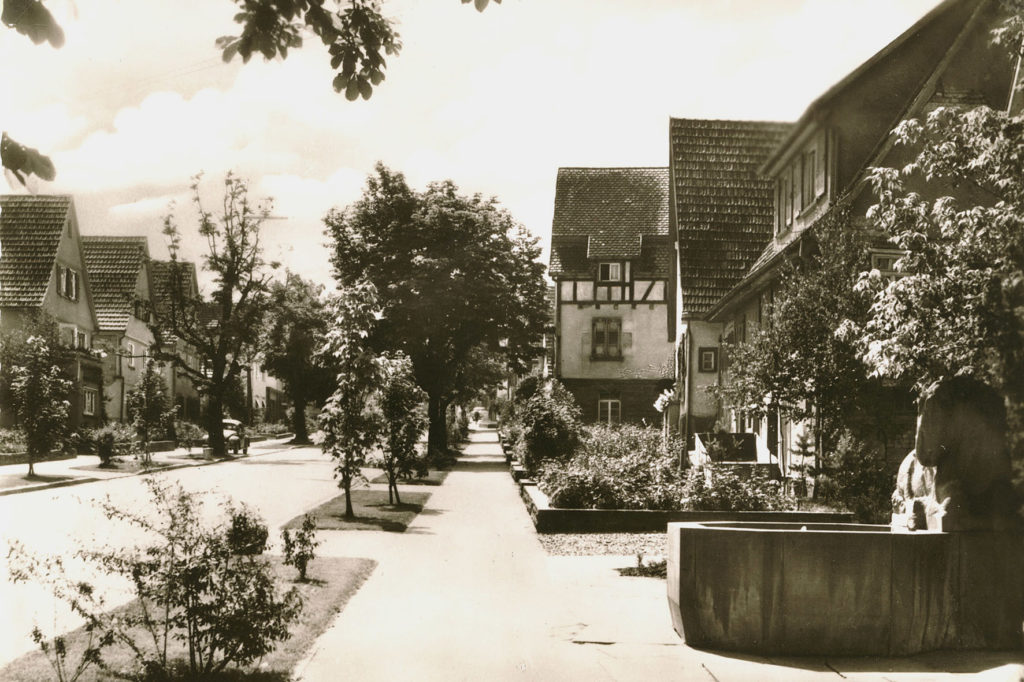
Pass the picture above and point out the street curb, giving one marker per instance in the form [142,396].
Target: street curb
[93,479]
[47,486]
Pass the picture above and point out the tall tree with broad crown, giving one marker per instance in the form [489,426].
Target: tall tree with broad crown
[297,325]
[224,329]
[453,272]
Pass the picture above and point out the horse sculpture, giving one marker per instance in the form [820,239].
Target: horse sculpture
[958,475]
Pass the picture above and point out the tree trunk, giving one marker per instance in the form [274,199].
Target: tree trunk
[31,468]
[299,419]
[346,484]
[437,436]
[394,486]
[215,423]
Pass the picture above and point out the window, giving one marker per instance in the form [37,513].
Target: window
[609,410]
[609,272]
[809,173]
[885,263]
[91,396]
[81,339]
[606,338]
[130,350]
[707,359]
[67,282]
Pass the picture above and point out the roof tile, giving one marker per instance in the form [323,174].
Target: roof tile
[609,208]
[724,209]
[113,264]
[30,231]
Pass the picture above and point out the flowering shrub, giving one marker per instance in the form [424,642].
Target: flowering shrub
[624,467]
[723,489]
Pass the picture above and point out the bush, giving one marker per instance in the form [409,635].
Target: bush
[717,488]
[247,534]
[551,426]
[191,587]
[12,441]
[623,467]
[112,440]
[299,548]
[858,477]
[188,434]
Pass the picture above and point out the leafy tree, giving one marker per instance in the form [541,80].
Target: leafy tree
[357,36]
[296,329]
[149,407]
[957,210]
[800,363]
[454,273]
[401,424]
[350,428]
[39,392]
[223,330]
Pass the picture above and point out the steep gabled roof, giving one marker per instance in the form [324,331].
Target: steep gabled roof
[30,231]
[723,208]
[163,277]
[939,26]
[113,264]
[609,209]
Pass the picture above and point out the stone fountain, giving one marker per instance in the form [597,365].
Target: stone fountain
[947,574]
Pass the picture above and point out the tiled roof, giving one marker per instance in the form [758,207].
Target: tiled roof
[724,209]
[30,230]
[611,207]
[162,275]
[113,264]
[569,257]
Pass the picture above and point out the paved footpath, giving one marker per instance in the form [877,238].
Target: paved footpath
[467,593]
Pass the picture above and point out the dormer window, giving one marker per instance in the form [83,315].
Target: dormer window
[610,272]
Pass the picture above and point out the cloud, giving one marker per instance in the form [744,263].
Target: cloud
[138,101]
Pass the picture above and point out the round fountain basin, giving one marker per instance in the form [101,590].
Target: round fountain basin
[830,589]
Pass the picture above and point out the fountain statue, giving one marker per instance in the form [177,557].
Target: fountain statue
[958,475]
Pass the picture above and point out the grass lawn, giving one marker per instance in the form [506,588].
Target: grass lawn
[434,477]
[126,466]
[20,480]
[332,583]
[371,509]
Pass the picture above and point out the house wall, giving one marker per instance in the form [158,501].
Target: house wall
[698,405]
[636,397]
[647,353]
[67,312]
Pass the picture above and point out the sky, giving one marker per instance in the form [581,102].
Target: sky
[138,101]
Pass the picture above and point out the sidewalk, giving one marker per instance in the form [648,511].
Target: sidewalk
[82,469]
[467,593]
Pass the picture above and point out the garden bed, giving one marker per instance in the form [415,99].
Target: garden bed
[132,466]
[332,583]
[372,512]
[433,477]
[22,457]
[547,519]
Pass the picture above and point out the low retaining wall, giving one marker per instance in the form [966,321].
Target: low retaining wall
[550,520]
[834,589]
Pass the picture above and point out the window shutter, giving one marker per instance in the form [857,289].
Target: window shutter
[627,339]
[74,285]
[819,179]
[60,280]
